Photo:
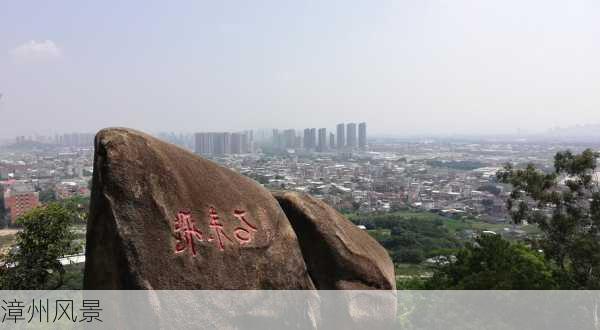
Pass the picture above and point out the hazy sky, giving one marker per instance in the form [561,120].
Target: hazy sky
[405,67]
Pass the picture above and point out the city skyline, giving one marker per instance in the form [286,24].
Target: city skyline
[578,133]
[309,140]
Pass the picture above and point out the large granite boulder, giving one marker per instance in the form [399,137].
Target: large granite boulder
[164,218]
[339,255]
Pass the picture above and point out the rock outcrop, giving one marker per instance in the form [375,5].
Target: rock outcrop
[164,218]
[337,253]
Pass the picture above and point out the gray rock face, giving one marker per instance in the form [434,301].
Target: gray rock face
[338,254]
[163,218]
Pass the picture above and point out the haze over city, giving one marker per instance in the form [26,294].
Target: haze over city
[406,67]
[300,164]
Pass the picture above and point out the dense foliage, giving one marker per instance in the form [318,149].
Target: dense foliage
[33,263]
[47,196]
[492,263]
[565,204]
[78,207]
[410,239]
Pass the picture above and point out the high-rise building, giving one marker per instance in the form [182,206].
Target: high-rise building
[306,139]
[236,143]
[313,138]
[322,140]
[289,138]
[277,139]
[71,140]
[341,136]
[310,138]
[249,142]
[362,136]
[298,144]
[351,141]
[222,143]
[204,143]
[331,141]
[246,142]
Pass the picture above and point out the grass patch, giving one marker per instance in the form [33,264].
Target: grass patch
[411,270]
[456,225]
[6,241]
[73,278]
[380,232]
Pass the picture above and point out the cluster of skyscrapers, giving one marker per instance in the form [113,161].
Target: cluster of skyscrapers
[223,143]
[347,137]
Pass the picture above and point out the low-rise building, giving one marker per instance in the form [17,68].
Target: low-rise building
[19,198]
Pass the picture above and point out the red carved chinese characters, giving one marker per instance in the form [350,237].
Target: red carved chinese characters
[186,232]
[217,228]
[242,234]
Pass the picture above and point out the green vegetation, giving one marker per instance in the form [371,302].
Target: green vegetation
[45,237]
[78,207]
[492,263]
[408,270]
[411,237]
[48,233]
[568,215]
[529,229]
[563,245]
[47,196]
[7,241]
[73,278]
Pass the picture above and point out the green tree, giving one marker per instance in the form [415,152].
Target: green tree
[492,263]
[78,207]
[565,204]
[47,196]
[33,263]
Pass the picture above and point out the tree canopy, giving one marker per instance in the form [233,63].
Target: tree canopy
[565,204]
[33,263]
[492,263]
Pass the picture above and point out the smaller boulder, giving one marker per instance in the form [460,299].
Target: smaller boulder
[338,254]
